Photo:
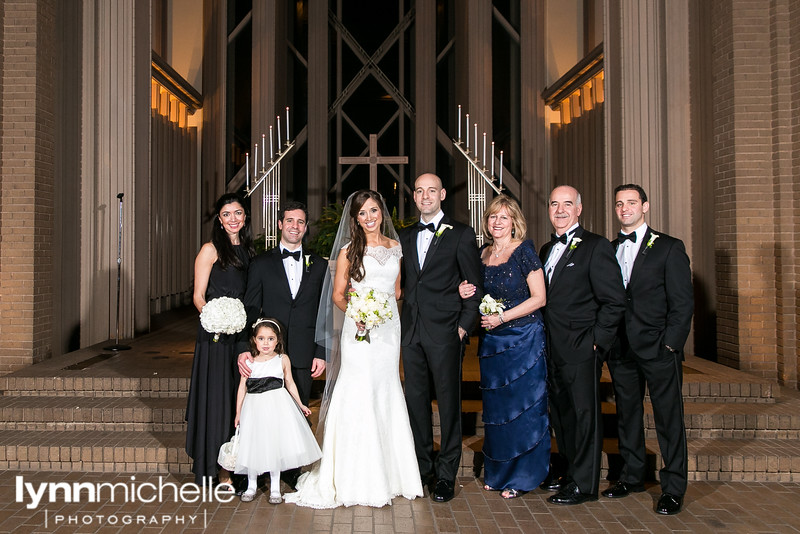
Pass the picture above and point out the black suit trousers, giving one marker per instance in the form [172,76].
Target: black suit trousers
[663,376]
[576,419]
[437,366]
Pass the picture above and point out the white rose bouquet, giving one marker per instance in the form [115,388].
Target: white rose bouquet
[489,305]
[223,315]
[369,307]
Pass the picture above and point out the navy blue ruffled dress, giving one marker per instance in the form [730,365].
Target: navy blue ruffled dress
[516,446]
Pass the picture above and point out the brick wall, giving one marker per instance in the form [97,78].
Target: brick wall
[756,194]
[27,176]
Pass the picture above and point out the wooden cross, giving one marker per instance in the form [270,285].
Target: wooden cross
[373,160]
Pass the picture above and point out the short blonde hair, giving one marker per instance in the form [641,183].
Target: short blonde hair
[518,225]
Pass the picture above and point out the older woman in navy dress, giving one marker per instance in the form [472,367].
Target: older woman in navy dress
[516,445]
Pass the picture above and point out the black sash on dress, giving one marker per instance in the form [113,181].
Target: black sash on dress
[260,385]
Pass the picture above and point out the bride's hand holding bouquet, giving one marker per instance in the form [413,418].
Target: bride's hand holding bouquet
[368,308]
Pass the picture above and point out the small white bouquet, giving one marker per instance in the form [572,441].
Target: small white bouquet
[489,305]
[369,307]
[223,315]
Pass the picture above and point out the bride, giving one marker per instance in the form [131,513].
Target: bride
[367,450]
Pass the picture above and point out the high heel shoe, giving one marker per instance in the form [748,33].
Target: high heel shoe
[511,493]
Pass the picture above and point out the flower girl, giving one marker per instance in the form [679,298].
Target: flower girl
[274,436]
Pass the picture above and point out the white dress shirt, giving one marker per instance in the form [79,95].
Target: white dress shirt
[556,251]
[294,269]
[627,252]
[425,237]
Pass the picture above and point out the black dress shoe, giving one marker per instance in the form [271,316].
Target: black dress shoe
[622,489]
[444,491]
[571,494]
[553,484]
[669,504]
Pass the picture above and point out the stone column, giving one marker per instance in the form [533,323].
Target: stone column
[318,165]
[115,159]
[27,159]
[535,186]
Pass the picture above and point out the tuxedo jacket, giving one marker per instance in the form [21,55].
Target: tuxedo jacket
[659,297]
[585,299]
[431,302]
[268,295]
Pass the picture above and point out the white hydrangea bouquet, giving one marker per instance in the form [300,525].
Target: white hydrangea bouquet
[223,315]
[369,307]
[489,305]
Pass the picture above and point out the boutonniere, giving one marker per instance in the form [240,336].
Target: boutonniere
[439,231]
[652,240]
[308,261]
[574,243]
[442,228]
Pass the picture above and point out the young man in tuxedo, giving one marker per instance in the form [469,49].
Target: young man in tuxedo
[286,283]
[649,351]
[585,303]
[438,254]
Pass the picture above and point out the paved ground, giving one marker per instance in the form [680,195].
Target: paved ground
[711,507]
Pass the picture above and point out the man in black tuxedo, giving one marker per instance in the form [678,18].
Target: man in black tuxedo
[585,302]
[649,351]
[438,254]
[286,284]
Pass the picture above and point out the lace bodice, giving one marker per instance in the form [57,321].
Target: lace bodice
[381,267]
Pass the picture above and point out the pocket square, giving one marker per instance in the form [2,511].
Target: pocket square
[570,265]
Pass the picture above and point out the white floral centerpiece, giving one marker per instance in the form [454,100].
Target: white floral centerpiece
[369,307]
[223,315]
[489,305]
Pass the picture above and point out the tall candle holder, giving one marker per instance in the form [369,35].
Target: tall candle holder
[268,178]
[477,176]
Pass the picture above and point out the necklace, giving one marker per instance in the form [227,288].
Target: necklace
[498,252]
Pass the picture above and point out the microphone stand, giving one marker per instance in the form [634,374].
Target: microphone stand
[116,346]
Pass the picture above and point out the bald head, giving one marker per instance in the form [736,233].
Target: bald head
[428,195]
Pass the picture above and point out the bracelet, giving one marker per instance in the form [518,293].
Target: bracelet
[500,315]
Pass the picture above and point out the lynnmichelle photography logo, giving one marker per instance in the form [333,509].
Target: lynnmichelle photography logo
[36,495]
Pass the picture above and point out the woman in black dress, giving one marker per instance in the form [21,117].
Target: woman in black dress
[220,270]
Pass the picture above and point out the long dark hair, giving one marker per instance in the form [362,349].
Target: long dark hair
[226,254]
[355,252]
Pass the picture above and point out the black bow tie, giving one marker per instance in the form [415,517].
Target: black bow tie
[623,237]
[286,254]
[562,239]
[422,226]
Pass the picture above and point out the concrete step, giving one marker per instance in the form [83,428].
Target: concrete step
[778,420]
[757,460]
[86,413]
[89,386]
[754,460]
[94,451]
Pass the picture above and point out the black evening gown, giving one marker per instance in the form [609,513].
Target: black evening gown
[211,409]
[516,446]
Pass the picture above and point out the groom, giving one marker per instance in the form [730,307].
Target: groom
[438,253]
[285,282]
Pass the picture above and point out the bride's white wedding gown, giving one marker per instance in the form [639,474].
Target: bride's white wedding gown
[368,450]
